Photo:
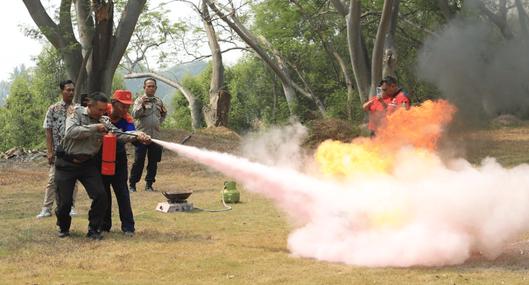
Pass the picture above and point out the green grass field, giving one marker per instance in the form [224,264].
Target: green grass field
[244,246]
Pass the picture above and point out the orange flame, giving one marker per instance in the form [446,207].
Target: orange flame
[419,127]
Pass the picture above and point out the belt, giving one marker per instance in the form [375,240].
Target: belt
[77,158]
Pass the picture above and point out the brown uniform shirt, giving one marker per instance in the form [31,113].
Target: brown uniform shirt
[148,118]
[81,136]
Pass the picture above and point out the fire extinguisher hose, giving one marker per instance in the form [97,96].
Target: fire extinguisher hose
[226,207]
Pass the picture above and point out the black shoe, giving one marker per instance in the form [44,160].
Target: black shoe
[148,188]
[63,234]
[132,188]
[94,235]
[128,233]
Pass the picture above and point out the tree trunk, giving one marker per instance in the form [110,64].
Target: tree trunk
[357,51]
[276,63]
[216,114]
[107,48]
[524,20]
[85,27]
[348,83]
[389,62]
[60,35]
[102,43]
[500,19]
[378,49]
[194,104]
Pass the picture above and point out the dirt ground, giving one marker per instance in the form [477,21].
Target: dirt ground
[243,246]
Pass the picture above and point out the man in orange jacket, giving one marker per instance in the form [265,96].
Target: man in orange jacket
[391,98]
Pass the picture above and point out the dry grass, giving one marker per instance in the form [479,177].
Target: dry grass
[243,246]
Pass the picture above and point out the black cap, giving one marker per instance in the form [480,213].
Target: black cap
[388,80]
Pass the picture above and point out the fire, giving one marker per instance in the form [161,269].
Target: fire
[420,128]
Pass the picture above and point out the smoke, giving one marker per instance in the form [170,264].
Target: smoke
[424,212]
[277,146]
[477,67]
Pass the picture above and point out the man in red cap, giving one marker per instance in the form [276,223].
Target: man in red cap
[117,111]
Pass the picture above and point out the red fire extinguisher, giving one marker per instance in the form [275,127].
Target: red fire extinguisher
[108,166]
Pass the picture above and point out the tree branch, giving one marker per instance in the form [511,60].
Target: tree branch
[46,25]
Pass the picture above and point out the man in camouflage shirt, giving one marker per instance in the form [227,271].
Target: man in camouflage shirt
[54,123]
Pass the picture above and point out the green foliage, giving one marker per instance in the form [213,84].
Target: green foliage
[47,75]
[180,117]
[256,96]
[199,86]
[21,119]
[118,82]
[31,92]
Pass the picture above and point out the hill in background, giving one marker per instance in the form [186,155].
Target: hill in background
[177,72]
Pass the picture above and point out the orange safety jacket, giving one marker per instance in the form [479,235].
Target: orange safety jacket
[380,108]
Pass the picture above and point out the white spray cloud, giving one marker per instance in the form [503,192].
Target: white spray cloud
[277,146]
[425,213]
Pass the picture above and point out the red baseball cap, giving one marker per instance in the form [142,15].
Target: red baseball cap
[123,96]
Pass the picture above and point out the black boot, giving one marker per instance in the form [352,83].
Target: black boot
[94,234]
[148,188]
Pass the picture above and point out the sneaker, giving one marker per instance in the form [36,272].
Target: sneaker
[73,212]
[132,188]
[44,213]
[94,235]
[128,233]
[148,188]
[63,234]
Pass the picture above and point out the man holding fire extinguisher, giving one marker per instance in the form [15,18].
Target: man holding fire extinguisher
[117,111]
[85,128]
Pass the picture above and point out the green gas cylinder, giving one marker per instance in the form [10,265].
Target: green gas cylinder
[230,193]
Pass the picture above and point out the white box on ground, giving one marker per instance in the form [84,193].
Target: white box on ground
[166,207]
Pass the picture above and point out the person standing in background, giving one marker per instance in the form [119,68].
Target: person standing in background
[54,123]
[149,113]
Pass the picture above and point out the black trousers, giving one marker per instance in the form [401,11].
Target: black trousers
[66,174]
[118,181]
[154,155]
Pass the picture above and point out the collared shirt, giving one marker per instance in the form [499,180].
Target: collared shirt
[56,120]
[148,118]
[81,135]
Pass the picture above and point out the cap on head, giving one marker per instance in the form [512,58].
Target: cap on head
[388,80]
[123,96]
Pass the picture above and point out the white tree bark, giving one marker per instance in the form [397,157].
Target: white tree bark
[389,61]
[216,113]
[378,49]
